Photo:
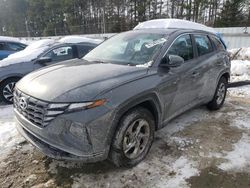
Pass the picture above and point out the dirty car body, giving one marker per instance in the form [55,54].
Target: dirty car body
[61,116]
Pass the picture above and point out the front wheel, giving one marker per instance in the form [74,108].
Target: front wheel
[133,138]
[6,90]
[219,96]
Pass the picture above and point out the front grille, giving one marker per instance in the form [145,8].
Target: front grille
[36,111]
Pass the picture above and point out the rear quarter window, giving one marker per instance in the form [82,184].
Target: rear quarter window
[218,45]
[203,44]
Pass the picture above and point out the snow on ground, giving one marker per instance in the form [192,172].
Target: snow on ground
[184,169]
[240,91]
[239,159]
[9,136]
[240,70]
[240,65]
[243,54]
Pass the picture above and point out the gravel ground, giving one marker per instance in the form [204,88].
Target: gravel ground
[197,149]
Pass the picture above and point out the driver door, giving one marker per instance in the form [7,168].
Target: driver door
[187,76]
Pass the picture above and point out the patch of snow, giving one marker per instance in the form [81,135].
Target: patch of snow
[243,91]
[8,133]
[182,143]
[79,39]
[243,54]
[149,64]
[239,158]
[6,112]
[173,23]
[240,70]
[184,169]
[185,120]
[242,122]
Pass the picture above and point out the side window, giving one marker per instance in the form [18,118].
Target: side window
[15,46]
[84,49]
[217,43]
[182,47]
[60,54]
[203,44]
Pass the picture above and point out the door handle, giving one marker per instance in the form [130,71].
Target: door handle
[195,74]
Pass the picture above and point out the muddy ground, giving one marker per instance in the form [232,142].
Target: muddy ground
[198,149]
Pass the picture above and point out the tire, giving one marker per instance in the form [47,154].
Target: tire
[127,149]
[219,96]
[6,90]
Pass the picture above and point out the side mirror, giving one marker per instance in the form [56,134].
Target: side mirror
[43,60]
[172,61]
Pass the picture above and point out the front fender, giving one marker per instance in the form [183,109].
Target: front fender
[10,76]
[131,103]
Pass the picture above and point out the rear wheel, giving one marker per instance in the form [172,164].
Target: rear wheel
[133,138]
[6,90]
[219,96]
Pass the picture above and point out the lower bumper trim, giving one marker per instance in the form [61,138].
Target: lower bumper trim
[56,153]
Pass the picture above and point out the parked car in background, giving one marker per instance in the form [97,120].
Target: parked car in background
[39,54]
[10,45]
[120,93]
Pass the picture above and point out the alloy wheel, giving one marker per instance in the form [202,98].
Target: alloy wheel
[136,138]
[8,91]
[221,93]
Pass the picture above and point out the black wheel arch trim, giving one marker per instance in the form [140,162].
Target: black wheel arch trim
[224,72]
[152,98]
[11,76]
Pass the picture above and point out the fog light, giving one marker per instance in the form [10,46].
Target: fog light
[77,129]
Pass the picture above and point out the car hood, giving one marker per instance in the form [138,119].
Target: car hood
[77,80]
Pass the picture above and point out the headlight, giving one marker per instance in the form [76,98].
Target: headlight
[59,108]
[85,105]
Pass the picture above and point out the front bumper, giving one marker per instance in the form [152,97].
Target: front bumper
[86,141]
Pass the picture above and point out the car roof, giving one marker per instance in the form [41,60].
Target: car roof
[9,39]
[170,31]
[81,43]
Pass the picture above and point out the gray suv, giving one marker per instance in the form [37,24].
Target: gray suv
[109,104]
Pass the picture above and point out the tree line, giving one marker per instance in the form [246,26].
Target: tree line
[53,17]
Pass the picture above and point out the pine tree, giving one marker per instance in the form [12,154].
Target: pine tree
[231,14]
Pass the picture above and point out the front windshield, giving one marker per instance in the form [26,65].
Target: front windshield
[131,48]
